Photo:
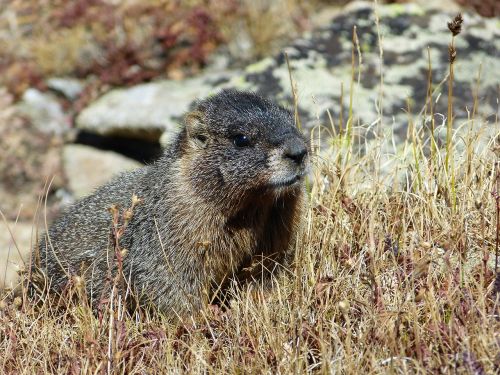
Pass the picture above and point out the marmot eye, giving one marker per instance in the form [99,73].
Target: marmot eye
[202,138]
[241,140]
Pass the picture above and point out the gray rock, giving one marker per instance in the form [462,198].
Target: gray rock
[15,245]
[86,168]
[30,163]
[71,88]
[321,64]
[44,111]
[147,110]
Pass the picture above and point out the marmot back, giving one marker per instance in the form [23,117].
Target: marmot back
[227,190]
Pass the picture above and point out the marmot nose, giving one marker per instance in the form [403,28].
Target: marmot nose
[295,150]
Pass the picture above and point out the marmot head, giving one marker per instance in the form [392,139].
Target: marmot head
[237,146]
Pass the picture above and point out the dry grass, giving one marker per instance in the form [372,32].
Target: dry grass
[395,273]
[387,279]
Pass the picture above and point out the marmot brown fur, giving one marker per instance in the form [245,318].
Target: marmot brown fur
[228,189]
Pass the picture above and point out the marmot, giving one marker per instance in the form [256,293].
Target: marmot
[228,189]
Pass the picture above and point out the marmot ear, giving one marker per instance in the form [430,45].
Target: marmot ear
[196,128]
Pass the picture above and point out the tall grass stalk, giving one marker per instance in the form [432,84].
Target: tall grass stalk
[455,27]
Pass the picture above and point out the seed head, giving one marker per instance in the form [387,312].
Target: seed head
[455,26]
[127,215]
[452,52]
[78,281]
[136,200]
[18,302]
[344,306]
[113,209]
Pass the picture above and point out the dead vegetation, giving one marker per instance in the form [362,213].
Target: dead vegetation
[124,43]
[391,280]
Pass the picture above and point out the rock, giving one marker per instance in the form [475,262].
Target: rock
[87,168]
[320,63]
[14,250]
[45,112]
[71,88]
[30,163]
[147,110]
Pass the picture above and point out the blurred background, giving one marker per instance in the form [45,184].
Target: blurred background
[90,88]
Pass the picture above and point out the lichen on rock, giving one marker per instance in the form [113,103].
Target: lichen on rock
[321,63]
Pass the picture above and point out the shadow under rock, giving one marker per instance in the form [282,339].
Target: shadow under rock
[137,149]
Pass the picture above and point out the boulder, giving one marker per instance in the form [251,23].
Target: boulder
[30,164]
[147,110]
[70,88]
[87,168]
[44,112]
[321,67]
